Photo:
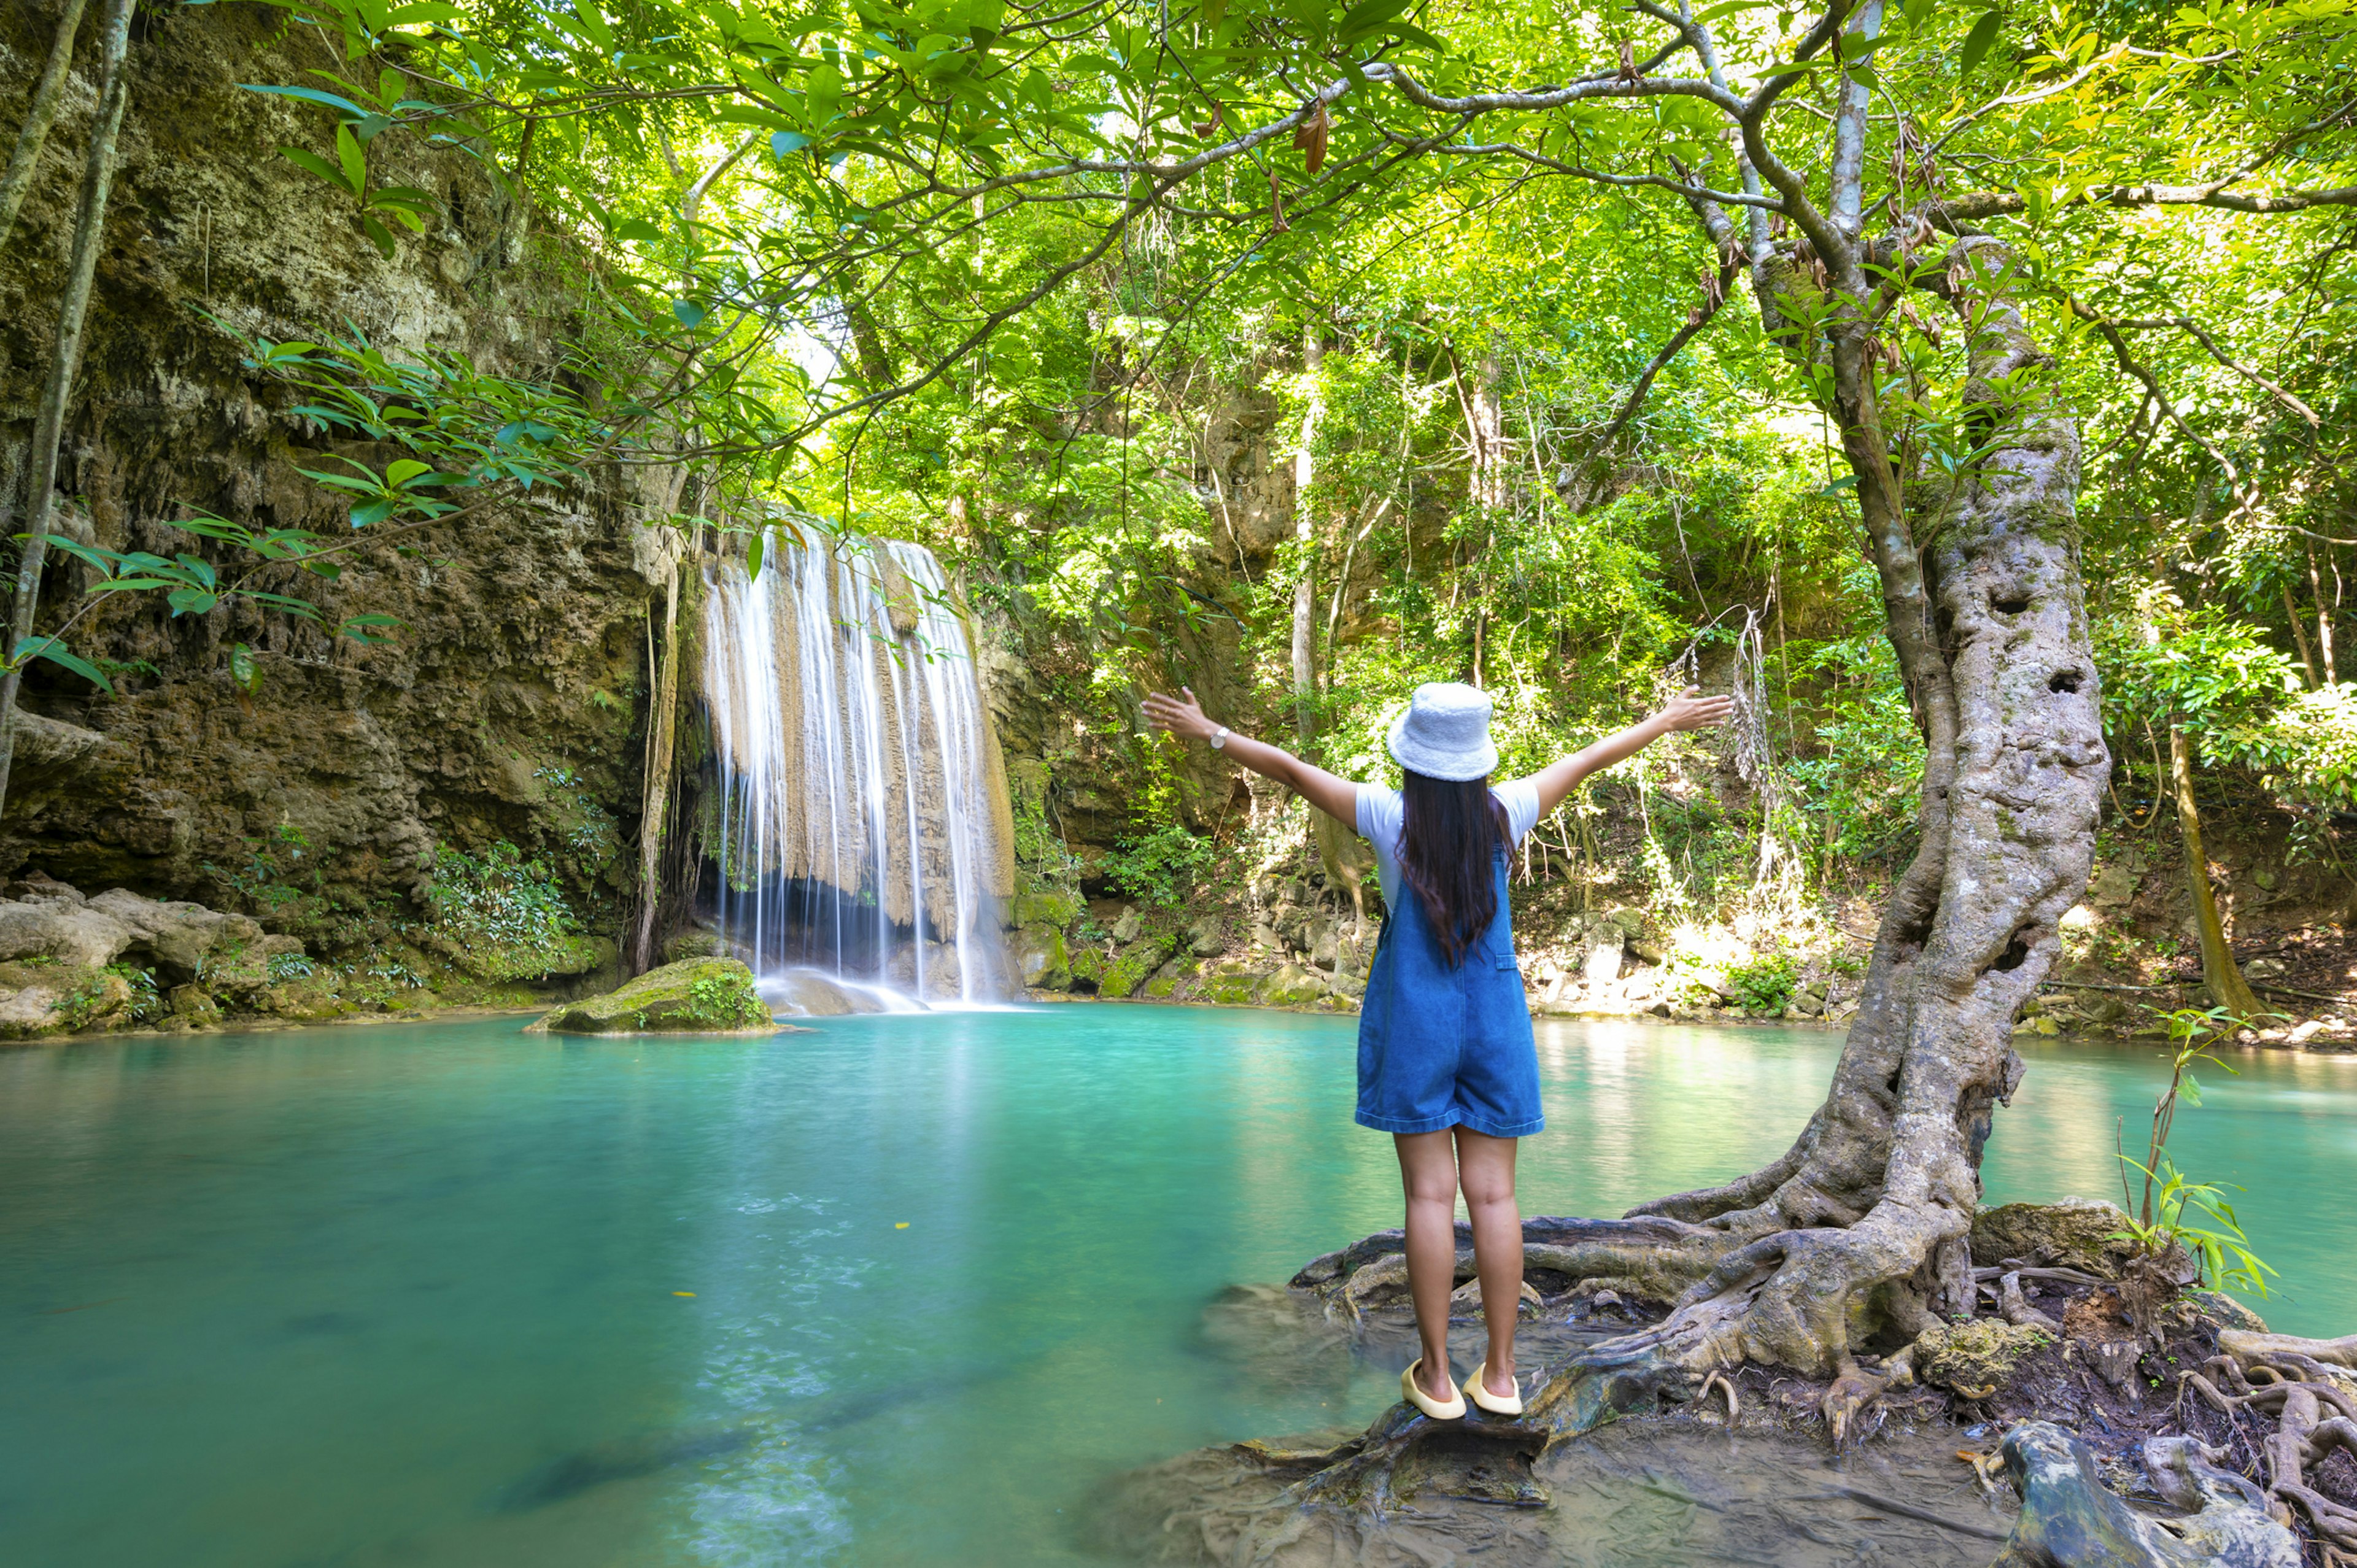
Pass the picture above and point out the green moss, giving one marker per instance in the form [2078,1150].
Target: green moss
[1232,990]
[1088,966]
[1136,963]
[695,996]
[1974,1356]
[1044,907]
[1041,959]
[1291,987]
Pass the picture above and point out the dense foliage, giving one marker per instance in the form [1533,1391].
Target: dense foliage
[1037,286]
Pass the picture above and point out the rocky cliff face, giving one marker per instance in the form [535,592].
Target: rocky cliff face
[509,708]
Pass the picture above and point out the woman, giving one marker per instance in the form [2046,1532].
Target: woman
[1447,1065]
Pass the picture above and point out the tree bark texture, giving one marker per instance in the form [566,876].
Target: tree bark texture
[2221,977]
[39,115]
[662,723]
[1832,1260]
[1305,535]
[65,358]
[1486,430]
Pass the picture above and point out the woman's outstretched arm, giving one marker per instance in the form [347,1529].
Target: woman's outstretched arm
[1685,711]
[1337,797]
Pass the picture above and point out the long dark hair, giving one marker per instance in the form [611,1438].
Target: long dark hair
[1449,836]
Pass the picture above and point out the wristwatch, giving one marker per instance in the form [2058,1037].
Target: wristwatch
[1220,739]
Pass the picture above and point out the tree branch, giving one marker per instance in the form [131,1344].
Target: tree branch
[1994,203]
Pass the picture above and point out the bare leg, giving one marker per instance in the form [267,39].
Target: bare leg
[1486,1168]
[1428,1172]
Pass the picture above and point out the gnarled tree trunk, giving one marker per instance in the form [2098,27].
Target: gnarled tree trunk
[1831,1259]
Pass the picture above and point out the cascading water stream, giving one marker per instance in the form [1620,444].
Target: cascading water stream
[859,817]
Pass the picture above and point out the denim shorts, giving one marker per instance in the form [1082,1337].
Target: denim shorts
[1448,1046]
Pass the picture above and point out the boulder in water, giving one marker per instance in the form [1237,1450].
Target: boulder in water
[811,994]
[695,996]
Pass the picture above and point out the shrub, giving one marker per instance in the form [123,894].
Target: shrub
[1159,868]
[1765,984]
[498,896]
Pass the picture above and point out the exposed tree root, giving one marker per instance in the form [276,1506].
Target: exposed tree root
[2307,1387]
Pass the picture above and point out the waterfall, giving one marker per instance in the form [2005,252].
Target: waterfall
[859,817]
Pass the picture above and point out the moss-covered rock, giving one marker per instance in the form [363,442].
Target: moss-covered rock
[43,998]
[695,942]
[1171,976]
[1291,986]
[1043,907]
[695,996]
[1974,1357]
[305,998]
[1232,986]
[1137,962]
[1039,957]
[1088,967]
[491,960]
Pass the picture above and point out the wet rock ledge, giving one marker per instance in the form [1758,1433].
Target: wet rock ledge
[71,963]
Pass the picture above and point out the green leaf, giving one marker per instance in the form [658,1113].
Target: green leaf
[360,629]
[405,470]
[591,21]
[784,144]
[379,236]
[342,106]
[1977,42]
[753,557]
[244,673]
[64,658]
[639,229]
[349,153]
[691,315]
[315,164]
[192,601]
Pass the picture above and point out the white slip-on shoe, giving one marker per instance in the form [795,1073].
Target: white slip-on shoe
[1452,1410]
[1496,1404]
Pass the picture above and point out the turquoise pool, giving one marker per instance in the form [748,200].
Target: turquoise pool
[900,1291]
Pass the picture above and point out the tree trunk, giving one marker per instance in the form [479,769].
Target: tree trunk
[1860,1229]
[1486,430]
[39,114]
[1304,587]
[65,358]
[2323,619]
[1855,1240]
[2299,638]
[2219,977]
[661,729]
[1337,844]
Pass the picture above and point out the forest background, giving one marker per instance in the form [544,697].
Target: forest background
[1332,420]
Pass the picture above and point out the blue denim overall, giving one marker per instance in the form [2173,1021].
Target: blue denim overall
[1442,1047]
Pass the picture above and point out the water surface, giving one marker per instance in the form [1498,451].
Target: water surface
[900,1291]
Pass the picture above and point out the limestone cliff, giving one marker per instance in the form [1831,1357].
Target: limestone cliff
[509,707]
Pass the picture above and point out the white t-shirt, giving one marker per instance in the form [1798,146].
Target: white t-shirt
[1383,812]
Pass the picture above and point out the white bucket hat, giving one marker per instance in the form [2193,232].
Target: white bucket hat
[1444,732]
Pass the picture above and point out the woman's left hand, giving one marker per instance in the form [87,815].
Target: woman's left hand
[1687,711]
[1183,719]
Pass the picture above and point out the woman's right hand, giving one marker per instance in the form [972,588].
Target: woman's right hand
[1183,719]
